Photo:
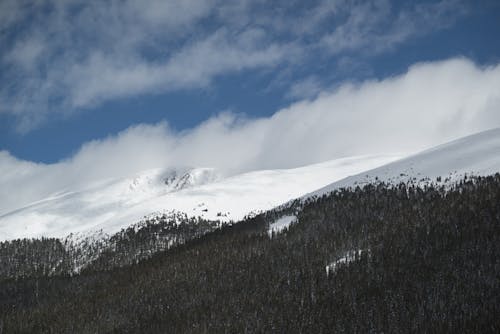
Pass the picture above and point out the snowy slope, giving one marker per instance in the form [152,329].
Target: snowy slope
[110,205]
[478,154]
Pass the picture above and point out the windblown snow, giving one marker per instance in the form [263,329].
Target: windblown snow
[281,224]
[111,205]
[478,154]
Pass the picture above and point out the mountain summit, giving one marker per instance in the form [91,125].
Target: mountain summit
[110,205]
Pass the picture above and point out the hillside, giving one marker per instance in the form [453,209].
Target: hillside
[378,259]
[409,245]
[120,222]
[110,205]
[478,154]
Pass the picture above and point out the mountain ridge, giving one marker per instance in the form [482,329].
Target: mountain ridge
[477,154]
[116,204]
[204,193]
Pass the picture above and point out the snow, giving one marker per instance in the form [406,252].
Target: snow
[346,259]
[280,224]
[478,154]
[110,205]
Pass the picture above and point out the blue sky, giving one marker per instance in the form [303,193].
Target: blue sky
[77,73]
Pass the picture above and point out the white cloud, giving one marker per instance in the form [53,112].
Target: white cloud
[430,104]
[78,54]
[307,88]
[64,56]
[374,26]
[25,52]
[101,78]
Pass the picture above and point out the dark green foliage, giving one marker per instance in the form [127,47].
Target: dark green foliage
[140,242]
[32,257]
[429,263]
[49,256]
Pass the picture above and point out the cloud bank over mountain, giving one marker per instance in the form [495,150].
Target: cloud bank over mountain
[430,104]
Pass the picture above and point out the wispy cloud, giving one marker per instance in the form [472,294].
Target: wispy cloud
[65,56]
[193,66]
[310,87]
[375,26]
[428,105]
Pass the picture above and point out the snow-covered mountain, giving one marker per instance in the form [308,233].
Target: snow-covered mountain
[110,205]
[478,154]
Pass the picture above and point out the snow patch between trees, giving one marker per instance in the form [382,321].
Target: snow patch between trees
[348,257]
[280,224]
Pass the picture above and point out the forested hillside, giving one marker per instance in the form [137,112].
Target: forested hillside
[31,258]
[376,259]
